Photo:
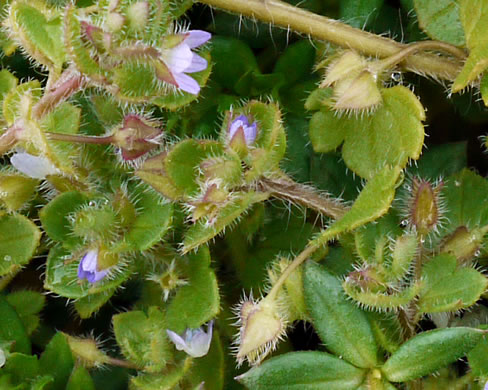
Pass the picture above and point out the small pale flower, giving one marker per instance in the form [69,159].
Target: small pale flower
[195,342]
[2,357]
[36,167]
[88,268]
[240,127]
[486,386]
[180,60]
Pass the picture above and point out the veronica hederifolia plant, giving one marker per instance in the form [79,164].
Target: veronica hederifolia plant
[127,193]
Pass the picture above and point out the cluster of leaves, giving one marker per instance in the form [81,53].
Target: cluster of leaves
[180,219]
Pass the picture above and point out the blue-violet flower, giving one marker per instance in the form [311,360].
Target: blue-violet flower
[195,342]
[241,124]
[88,268]
[180,60]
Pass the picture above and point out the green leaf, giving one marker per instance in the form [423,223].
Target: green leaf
[484,88]
[359,13]
[474,18]
[387,330]
[62,276]
[342,326]
[373,201]
[12,329]
[55,217]
[233,59]
[168,381]
[87,306]
[201,232]
[153,220]
[18,242]
[142,338]
[40,31]
[64,119]
[303,370]
[184,311]
[27,304]
[183,160]
[7,82]
[21,368]
[392,134]
[16,190]
[477,359]
[466,197]
[12,107]
[57,361]
[440,20]
[296,63]
[429,351]
[449,288]
[80,379]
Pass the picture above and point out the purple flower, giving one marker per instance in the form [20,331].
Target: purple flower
[180,60]
[486,386]
[195,342]
[241,124]
[88,268]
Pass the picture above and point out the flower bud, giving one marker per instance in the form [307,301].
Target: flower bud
[86,351]
[169,280]
[262,326]
[208,204]
[115,21]
[138,15]
[463,243]
[241,134]
[424,207]
[136,136]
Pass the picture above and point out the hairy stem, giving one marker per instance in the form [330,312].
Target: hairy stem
[304,255]
[85,139]
[285,188]
[320,27]
[68,84]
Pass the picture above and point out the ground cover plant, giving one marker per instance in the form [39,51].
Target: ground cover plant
[230,194]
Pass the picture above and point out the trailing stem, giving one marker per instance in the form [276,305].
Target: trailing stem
[320,27]
[287,189]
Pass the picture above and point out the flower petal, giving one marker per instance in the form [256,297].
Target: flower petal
[186,83]
[197,38]
[37,167]
[177,340]
[197,64]
[179,58]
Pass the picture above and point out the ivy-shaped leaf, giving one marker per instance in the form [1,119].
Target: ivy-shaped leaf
[449,288]
[440,20]
[142,338]
[392,134]
[474,18]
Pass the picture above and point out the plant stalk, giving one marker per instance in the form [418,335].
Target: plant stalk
[320,27]
[287,189]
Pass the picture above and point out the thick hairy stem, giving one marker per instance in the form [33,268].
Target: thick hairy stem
[287,189]
[68,84]
[84,139]
[304,255]
[333,31]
